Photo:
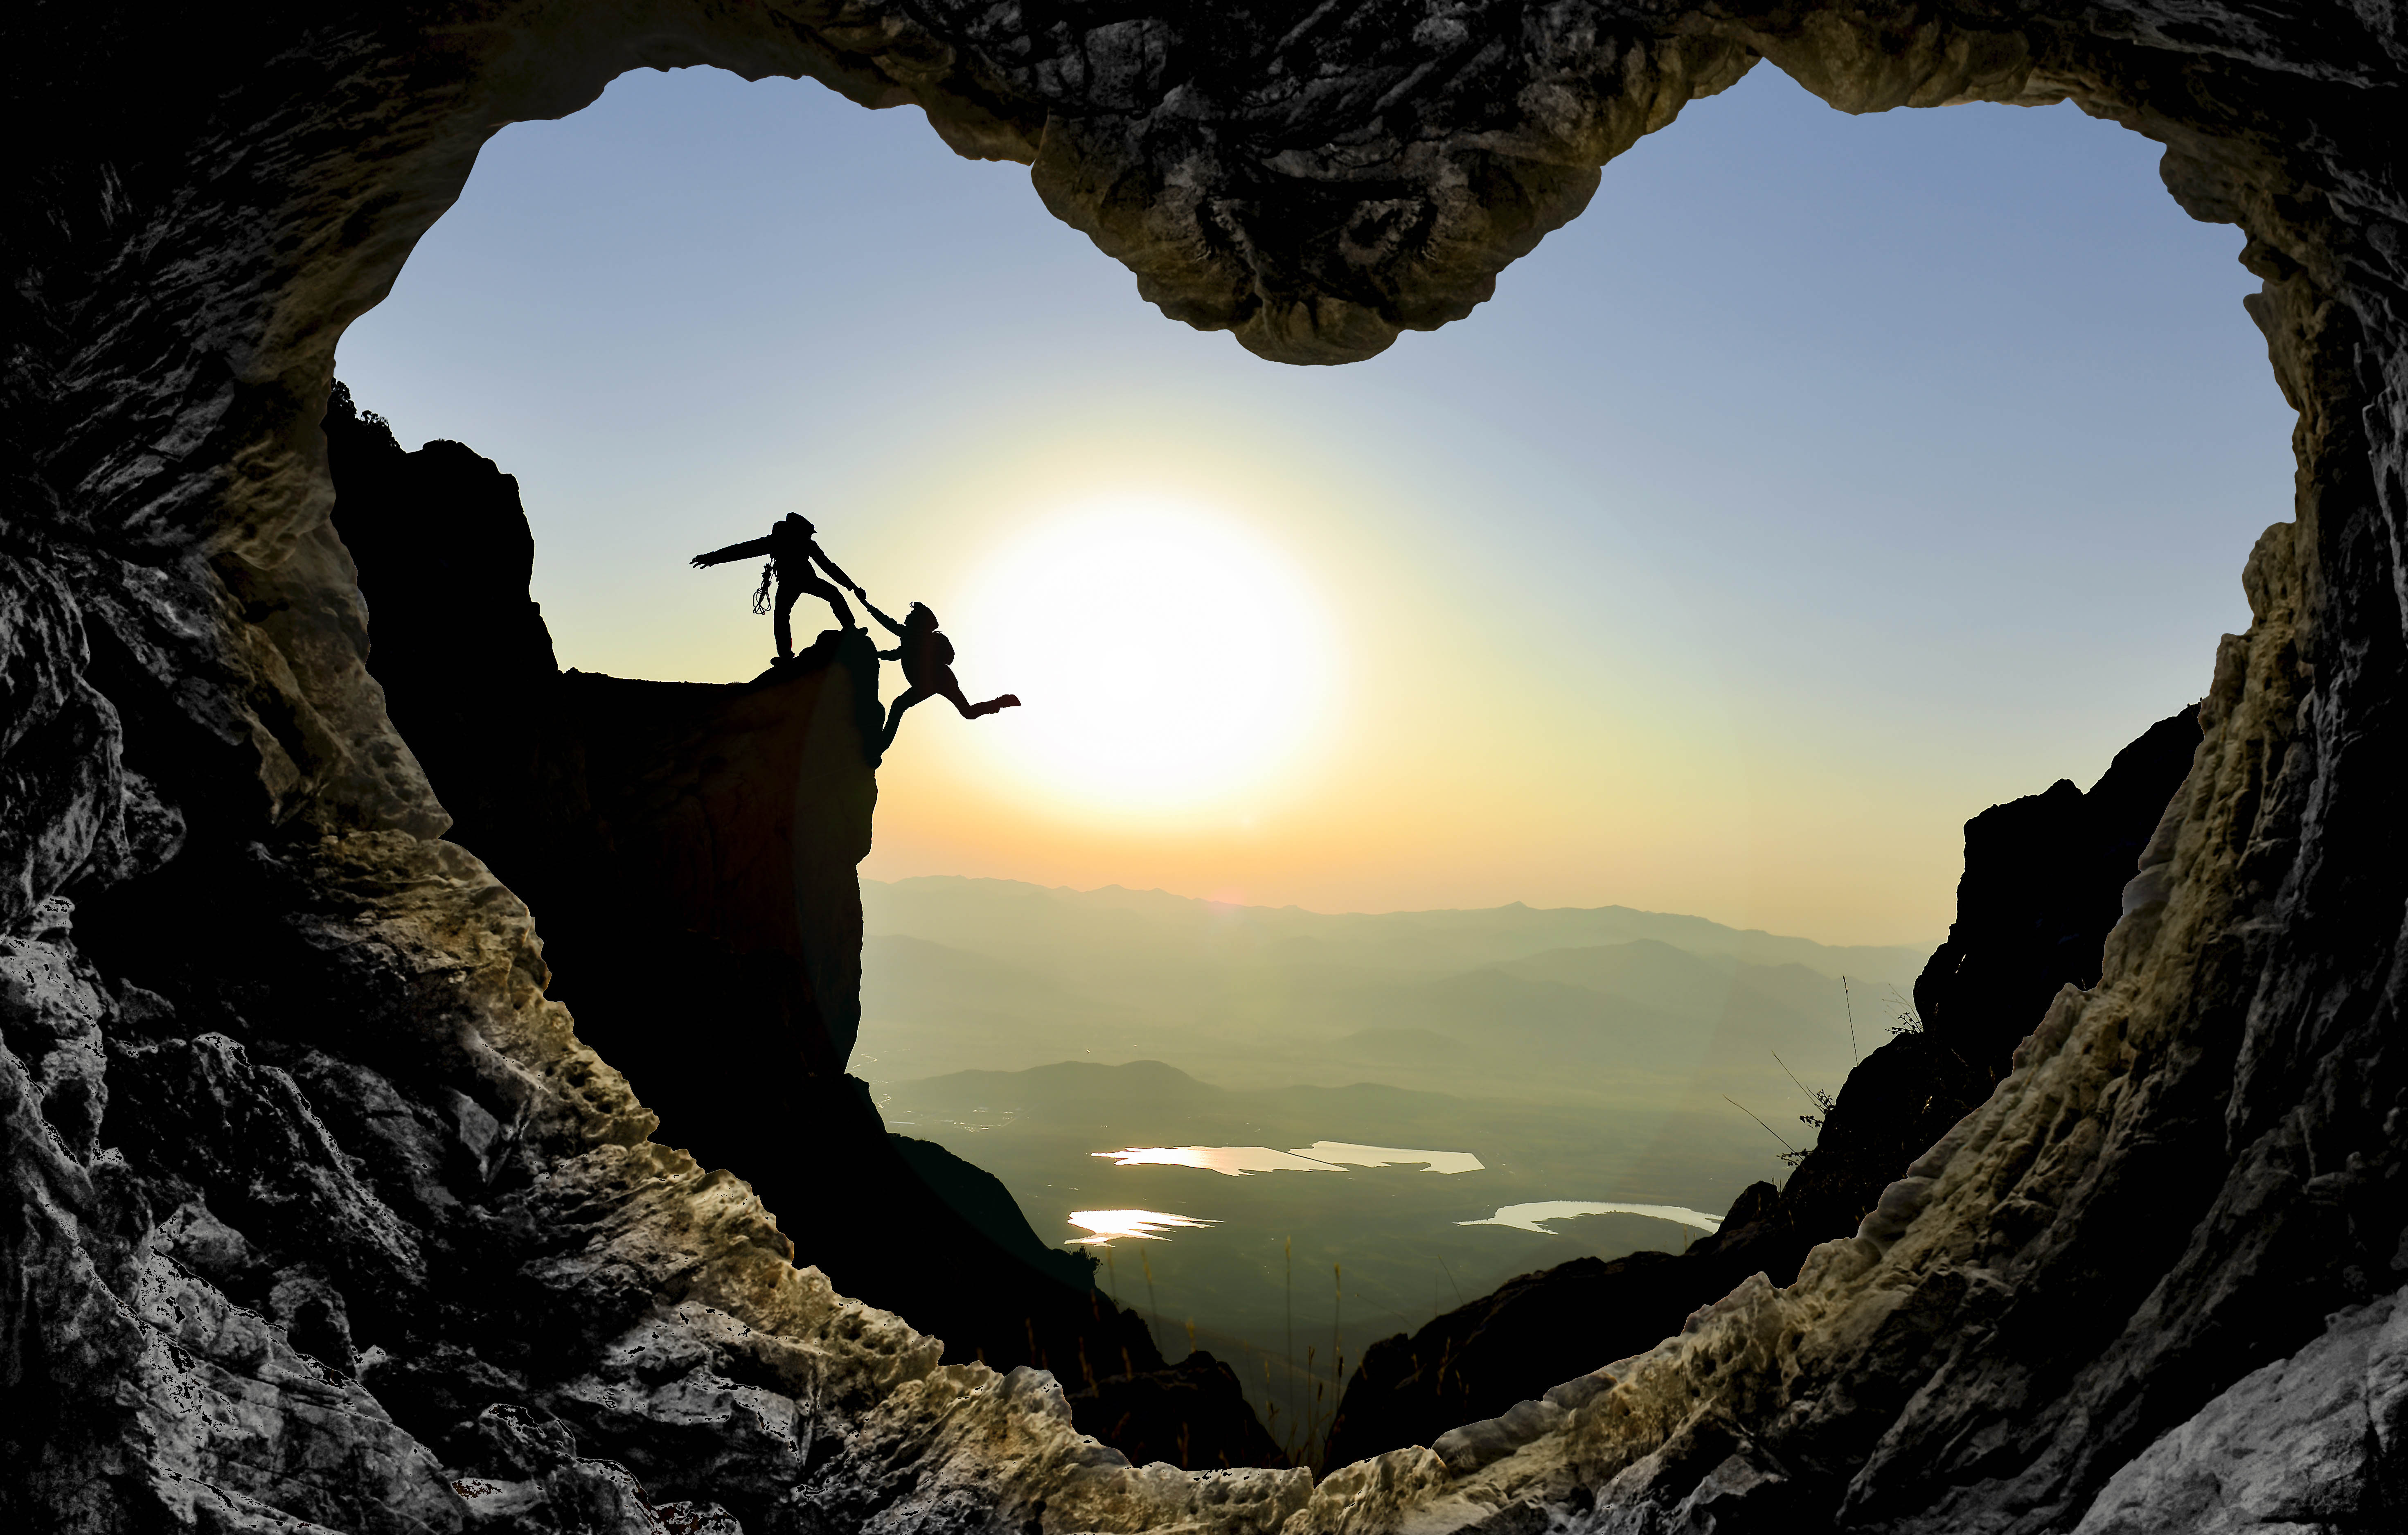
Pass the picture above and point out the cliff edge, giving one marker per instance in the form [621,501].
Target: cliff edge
[692,848]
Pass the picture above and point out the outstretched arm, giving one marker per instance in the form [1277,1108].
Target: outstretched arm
[892,627]
[733,551]
[841,578]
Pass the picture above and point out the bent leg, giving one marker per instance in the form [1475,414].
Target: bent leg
[895,716]
[835,598]
[949,687]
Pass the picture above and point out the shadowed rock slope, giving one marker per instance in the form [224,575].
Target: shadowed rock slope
[279,1070]
[2044,875]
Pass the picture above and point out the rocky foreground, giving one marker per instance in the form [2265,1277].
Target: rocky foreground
[319,1214]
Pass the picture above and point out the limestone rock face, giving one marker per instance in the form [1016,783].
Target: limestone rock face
[236,946]
[2286,1444]
[351,1229]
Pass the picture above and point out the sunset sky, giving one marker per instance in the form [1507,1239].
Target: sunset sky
[1829,480]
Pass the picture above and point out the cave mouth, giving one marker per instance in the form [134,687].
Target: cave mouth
[625,1047]
[293,1079]
[2004,429]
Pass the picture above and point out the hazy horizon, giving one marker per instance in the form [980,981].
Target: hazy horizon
[1923,945]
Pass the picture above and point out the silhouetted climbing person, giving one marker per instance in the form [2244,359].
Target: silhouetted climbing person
[927,659]
[792,551]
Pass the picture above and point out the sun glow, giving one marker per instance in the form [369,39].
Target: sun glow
[1167,656]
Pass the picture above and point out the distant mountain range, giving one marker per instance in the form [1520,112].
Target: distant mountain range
[1605,1005]
[1009,916]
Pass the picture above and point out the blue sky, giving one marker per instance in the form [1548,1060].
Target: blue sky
[1828,481]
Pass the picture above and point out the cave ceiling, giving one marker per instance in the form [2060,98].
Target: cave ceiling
[1314,178]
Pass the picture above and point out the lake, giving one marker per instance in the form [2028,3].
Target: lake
[1534,1217]
[1321,1156]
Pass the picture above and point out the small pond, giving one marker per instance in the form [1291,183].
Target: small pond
[1534,1217]
[1321,1156]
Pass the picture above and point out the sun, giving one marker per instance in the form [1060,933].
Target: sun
[1167,655]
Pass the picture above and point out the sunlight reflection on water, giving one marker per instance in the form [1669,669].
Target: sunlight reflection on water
[1380,1156]
[1321,1156]
[1533,1217]
[1105,1226]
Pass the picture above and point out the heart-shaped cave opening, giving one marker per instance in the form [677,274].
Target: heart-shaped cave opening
[322,1182]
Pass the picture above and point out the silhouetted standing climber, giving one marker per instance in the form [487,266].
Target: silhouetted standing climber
[927,659]
[792,551]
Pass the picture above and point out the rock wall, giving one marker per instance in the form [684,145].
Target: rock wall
[280,1081]
[2043,887]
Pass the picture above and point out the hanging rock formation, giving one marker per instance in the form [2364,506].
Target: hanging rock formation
[284,1102]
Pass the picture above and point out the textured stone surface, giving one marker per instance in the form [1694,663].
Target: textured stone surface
[2286,1446]
[2189,1166]
[254,1280]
